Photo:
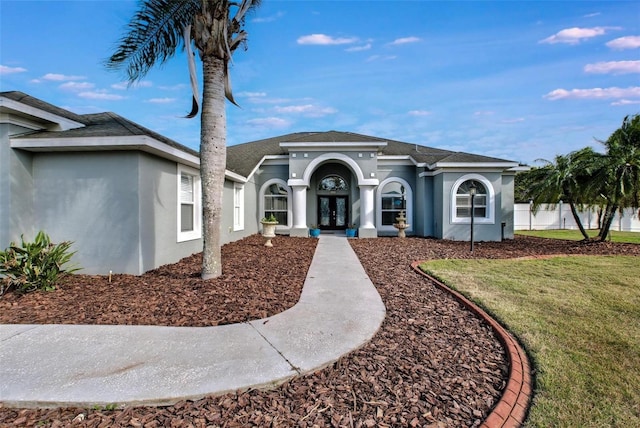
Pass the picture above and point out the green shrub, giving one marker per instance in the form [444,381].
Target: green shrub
[34,265]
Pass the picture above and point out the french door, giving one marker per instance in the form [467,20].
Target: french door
[332,212]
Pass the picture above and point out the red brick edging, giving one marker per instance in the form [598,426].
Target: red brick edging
[511,409]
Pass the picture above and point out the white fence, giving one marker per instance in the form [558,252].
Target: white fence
[560,217]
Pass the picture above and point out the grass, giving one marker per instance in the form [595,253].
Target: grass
[579,318]
[575,235]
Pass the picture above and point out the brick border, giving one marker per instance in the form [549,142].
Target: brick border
[511,409]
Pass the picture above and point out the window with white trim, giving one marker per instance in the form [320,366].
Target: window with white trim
[189,204]
[463,200]
[392,203]
[483,203]
[276,203]
[238,206]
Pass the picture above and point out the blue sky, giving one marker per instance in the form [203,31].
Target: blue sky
[518,80]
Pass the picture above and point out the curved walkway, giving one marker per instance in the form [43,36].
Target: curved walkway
[84,365]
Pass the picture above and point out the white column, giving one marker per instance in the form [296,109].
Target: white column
[366,207]
[299,207]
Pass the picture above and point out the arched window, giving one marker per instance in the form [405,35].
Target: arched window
[393,196]
[463,199]
[482,204]
[275,200]
[333,183]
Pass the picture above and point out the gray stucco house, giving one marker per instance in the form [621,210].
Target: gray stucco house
[130,198]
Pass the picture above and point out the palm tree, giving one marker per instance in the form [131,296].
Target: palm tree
[565,179]
[620,172]
[157,29]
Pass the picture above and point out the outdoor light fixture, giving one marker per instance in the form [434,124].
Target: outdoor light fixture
[472,193]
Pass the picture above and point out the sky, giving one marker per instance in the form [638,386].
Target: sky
[516,80]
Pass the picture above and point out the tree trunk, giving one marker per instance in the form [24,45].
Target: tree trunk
[213,158]
[576,218]
[609,214]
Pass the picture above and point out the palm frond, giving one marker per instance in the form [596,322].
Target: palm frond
[152,36]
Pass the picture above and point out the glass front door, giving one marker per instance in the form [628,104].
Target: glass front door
[332,212]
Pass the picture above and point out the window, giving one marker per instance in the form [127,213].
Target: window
[276,202]
[189,204]
[463,200]
[238,206]
[333,183]
[392,202]
[389,203]
[482,203]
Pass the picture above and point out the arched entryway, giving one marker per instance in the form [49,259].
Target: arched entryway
[334,198]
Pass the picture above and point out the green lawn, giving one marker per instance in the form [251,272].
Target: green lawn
[575,235]
[579,318]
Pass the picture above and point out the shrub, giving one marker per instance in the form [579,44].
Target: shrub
[34,265]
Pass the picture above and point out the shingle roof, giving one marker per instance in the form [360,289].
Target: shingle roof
[39,104]
[96,125]
[243,158]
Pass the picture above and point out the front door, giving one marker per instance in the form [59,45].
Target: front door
[332,212]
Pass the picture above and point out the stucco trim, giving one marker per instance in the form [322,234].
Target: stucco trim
[474,165]
[322,146]
[340,157]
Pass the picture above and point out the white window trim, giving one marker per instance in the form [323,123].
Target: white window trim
[196,233]
[489,217]
[409,208]
[263,189]
[238,206]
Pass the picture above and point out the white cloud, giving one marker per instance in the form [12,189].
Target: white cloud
[61,77]
[591,15]
[251,94]
[323,39]
[419,113]
[575,35]
[405,40]
[161,100]
[359,48]
[594,93]
[625,102]
[76,86]
[381,58]
[268,122]
[100,95]
[176,87]
[10,70]
[627,42]
[269,18]
[483,113]
[514,120]
[121,86]
[613,67]
[309,110]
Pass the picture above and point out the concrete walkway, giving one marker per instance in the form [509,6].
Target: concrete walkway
[85,365]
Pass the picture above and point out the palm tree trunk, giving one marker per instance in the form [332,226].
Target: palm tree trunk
[609,214]
[213,157]
[576,218]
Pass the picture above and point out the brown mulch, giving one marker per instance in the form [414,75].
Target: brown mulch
[257,282]
[432,363]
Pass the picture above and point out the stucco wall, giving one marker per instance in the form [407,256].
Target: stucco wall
[462,231]
[92,199]
[508,205]
[158,184]
[16,184]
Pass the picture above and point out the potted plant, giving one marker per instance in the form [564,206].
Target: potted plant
[351,231]
[269,229]
[314,231]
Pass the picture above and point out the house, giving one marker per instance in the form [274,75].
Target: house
[130,198]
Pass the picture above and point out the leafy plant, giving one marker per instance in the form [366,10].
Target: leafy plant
[271,219]
[34,265]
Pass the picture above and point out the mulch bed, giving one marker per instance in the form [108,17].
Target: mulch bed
[433,363]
